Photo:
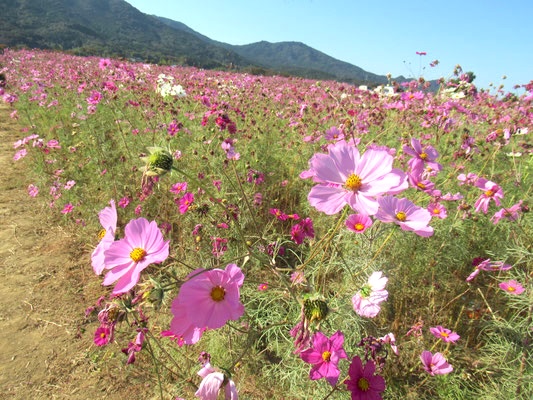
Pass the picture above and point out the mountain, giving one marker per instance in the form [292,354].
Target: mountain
[114,28]
[105,28]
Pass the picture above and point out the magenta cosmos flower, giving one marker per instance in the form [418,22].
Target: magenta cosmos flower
[207,300]
[512,287]
[346,177]
[362,382]
[325,355]
[445,334]
[108,220]
[435,364]
[142,245]
[367,301]
[405,214]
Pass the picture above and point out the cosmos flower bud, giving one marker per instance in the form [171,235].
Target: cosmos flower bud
[158,162]
[315,310]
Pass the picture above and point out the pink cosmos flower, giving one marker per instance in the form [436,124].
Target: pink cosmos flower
[512,287]
[207,300]
[123,202]
[262,287]
[422,155]
[391,339]
[142,245]
[511,213]
[325,355]
[212,383]
[108,220]
[301,230]
[435,364]
[362,383]
[490,191]
[33,190]
[367,301]
[20,154]
[68,208]
[347,178]
[487,265]
[437,210]
[102,335]
[358,223]
[185,202]
[405,214]
[445,334]
[134,347]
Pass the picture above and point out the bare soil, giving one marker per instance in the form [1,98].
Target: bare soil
[46,283]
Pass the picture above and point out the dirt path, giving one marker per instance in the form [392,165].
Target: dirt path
[45,286]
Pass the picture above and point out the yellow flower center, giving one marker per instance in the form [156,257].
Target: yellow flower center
[511,289]
[436,211]
[101,234]
[421,185]
[359,227]
[218,293]
[353,183]
[103,335]
[401,216]
[444,334]
[363,384]
[423,156]
[489,193]
[326,356]
[137,254]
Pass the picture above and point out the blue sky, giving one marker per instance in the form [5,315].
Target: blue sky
[492,38]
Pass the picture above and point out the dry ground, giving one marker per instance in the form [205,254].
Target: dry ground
[46,282]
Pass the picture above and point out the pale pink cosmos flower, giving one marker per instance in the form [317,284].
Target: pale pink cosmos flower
[445,334]
[347,178]
[212,383]
[490,191]
[33,190]
[512,213]
[362,383]
[20,154]
[405,214]
[358,223]
[325,355]
[435,364]
[437,210]
[367,301]
[488,265]
[390,339]
[108,220]
[208,299]
[512,287]
[142,245]
[178,187]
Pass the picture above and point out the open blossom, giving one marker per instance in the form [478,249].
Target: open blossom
[142,245]
[185,202]
[424,155]
[207,300]
[301,230]
[33,190]
[325,354]
[445,334]
[68,208]
[437,210]
[435,364]
[108,220]
[512,213]
[346,178]
[490,191]
[358,223]
[405,214]
[367,301]
[102,335]
[362,383]
[512,287]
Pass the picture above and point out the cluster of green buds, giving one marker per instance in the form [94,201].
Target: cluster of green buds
[158,162]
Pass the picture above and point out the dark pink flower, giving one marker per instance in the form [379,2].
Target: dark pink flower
[185,202]
[325,354]
[102,335]
[302,230]
[362,383]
